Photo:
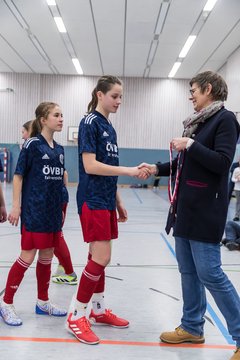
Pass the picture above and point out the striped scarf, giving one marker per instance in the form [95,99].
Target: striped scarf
[192,122]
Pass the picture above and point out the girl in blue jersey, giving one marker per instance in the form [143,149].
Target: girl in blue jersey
[37,197]
[64,273]
[98,199]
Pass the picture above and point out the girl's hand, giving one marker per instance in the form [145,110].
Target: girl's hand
[14,215]
[3,214]
[122,213]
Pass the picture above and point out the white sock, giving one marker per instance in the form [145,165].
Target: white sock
[98,303]
[42,302]
[5,304]
[79,310]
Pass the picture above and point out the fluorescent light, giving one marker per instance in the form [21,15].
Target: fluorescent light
[152,52]
[77,65]
[161,17]
[209,5]
[51,2]
[187,46]
[60,24]
[174,69]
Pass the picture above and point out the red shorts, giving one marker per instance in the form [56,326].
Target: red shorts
[38,240]
[98,225]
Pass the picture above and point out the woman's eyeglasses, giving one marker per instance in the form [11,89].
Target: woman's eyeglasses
[192,91]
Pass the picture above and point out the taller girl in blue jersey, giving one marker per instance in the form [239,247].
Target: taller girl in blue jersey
[98,199]
[37,197]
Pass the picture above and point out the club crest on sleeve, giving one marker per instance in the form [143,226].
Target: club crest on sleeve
[61,158]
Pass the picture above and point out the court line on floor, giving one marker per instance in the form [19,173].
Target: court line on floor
[118,342]
[137,196]
[215,317]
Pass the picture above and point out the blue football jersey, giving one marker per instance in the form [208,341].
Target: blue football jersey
[96,135]
[42,169]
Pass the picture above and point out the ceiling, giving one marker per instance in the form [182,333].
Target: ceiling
[115,37]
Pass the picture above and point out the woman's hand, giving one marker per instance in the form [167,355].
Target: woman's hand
[179,144]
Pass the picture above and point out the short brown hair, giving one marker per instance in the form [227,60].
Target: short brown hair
[219,86]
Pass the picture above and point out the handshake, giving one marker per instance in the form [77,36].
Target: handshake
[142,171]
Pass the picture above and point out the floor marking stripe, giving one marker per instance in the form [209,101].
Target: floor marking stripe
[216,319]
[137,196]
[119,342]
[161,292]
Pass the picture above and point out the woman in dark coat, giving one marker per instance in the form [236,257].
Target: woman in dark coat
[199,204]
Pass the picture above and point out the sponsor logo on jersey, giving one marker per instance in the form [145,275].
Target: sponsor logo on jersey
[52,172]
[105,134]
[112,149]
[45,157]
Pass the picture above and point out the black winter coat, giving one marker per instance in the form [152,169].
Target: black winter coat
[202,200]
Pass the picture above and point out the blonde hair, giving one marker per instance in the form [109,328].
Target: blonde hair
[42,111]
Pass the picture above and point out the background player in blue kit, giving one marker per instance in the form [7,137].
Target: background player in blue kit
[64,273]
[37,197]
[97,200]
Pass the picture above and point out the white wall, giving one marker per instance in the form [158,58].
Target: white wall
[233,81]
[151,113]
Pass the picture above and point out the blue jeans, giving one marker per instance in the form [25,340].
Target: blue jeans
[232,231]
[200,266]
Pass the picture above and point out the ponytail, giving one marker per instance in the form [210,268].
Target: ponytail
[42,111]
[36,128]
[104,84]
[93,103]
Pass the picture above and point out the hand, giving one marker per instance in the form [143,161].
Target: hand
[152,168]
[122,213]
[3,214]
[13,217]
[142,173]
[179,144]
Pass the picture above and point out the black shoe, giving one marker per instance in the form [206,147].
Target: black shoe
[233,246]
[224,241]
[236,218]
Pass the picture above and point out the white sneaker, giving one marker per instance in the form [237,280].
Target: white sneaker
[9,315]
[50,309]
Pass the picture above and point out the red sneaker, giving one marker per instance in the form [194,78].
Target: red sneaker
[81,329]
[107,318]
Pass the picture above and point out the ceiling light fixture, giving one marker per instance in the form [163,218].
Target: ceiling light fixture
[174,69]
[162,17]
[77,65]
[187,46]
[60,24]
[152,52]
[209,5]
[14,10]
[51,2]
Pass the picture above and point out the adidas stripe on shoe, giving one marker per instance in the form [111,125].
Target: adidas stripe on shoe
[81,329]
